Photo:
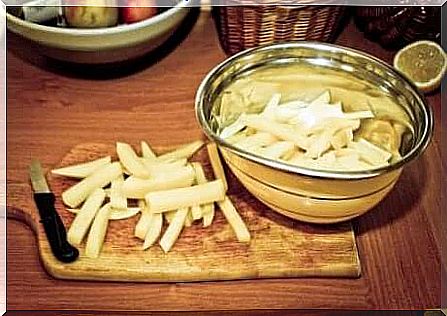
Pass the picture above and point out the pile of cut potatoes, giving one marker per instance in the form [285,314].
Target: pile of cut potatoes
[166,187]
[317,135]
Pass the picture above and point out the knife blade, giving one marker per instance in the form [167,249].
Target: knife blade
[52,223]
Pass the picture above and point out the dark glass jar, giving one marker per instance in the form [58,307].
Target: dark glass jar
[394,27]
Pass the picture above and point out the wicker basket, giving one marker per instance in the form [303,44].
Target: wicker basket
[242,27]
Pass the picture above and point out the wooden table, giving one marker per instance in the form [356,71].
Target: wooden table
[51,109]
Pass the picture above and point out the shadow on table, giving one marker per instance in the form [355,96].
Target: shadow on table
[106,71]
[406,194]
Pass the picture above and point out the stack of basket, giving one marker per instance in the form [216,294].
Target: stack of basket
[241,25]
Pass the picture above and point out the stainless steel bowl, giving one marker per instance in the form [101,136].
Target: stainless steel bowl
[307,184]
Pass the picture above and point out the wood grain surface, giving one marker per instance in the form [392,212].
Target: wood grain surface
[280,247]
[53,107]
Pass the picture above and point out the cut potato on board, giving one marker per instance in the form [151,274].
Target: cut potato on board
[196,212]
[98,232]
[115,214]
[169,216]
[207,209]
[117,198]
[131,161]
[185,151]
[144,221]
[153,230]
[156,167]
[84,218]
[216,164]
[82,170]
[175,189]
[121,214]
[235,220]
[146,151]
[162,201]
[189,220]
[76,194]
[137,188]
[208,214]
[174,229]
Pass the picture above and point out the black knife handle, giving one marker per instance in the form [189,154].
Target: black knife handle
[54,228]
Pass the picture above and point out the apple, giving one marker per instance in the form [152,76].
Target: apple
[138,10]
[92,13]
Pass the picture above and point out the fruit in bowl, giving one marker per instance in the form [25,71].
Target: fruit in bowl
[100,45]
[138,10]
[88,16]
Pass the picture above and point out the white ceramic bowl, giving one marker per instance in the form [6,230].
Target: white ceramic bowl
[102,45]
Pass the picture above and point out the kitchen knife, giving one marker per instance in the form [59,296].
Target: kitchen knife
[52,223]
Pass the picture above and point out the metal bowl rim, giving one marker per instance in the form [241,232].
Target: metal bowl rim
[414,153]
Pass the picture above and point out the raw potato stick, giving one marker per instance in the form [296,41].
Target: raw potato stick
[279,130]
[323,98]
[82,170]
[117,198]
[272,105]
[174,229]
[185,151]
[216,164]
[120,214]
[236,137]
[97,232]
[235,220]
[131,161]
[73,210]
[136,188]
[358,115]
[189,219]
[233,129]
[207,209]
[162,201]
[208,214]
[333,125]
[156,168]
[169,216]
[163,164]
[154,230]
[278,150]
[76,194]
[370,153]
[146,151]
[196,212]
[255,141]
[85,216]
[342,138]
[144,221]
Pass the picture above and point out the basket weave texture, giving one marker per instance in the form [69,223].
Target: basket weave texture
[242,27]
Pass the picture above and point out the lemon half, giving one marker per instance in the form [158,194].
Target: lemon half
[424,63]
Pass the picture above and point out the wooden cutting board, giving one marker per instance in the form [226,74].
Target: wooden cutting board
[280,247]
